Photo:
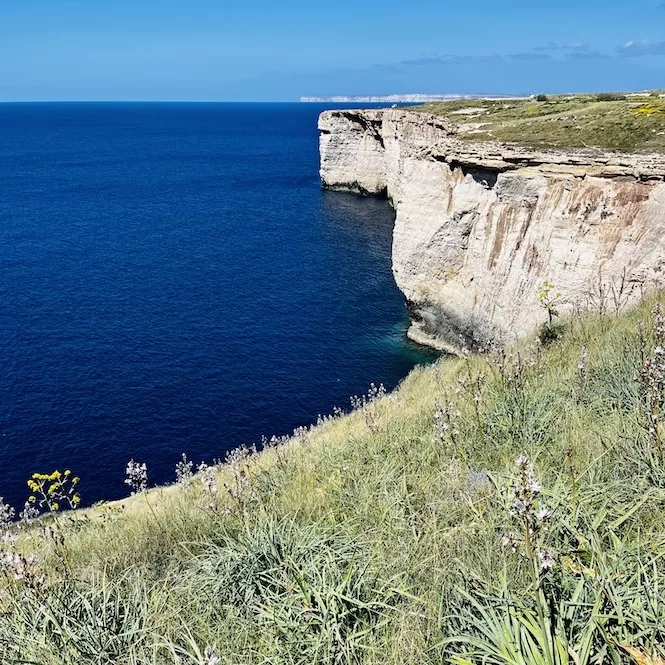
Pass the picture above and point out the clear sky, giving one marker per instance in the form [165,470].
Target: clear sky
[258,50]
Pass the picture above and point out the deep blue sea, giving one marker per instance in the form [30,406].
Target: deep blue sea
[174,279]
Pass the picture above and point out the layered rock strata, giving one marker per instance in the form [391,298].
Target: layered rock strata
[480,226]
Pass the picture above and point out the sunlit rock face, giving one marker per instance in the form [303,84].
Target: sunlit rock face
[480,226]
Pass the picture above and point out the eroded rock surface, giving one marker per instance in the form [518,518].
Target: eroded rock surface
[480,226]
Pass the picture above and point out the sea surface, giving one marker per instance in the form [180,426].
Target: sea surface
[174,279]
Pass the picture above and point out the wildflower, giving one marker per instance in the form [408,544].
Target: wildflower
[300,433]
[18,566]
[273,441]
[445,421]
[582,362]
[240,488]
[518,508]
[532,484]
[50,491]
[522,462]
[6,513]
[652,377]
[525,489]
[210,657]
[509,541]
[336,413]
[547,560]
[183,470]
[529,482]
[208,476]
[137,476]
[527,507]
[376,392]
[29,512]
[364,402]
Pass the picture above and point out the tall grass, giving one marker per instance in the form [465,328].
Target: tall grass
[403,532]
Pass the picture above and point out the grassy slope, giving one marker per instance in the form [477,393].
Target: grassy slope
[359,541]
[564,121]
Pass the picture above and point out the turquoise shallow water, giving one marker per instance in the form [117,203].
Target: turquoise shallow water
[175,279]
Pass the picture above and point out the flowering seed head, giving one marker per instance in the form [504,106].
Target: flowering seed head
[547,559]
[522,462]
[184,470]
[509,541]
[210,657]
[6,513]
[137,476]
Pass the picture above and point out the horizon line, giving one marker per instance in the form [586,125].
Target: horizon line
[301,99]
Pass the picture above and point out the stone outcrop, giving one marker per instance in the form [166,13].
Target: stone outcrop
[480,226]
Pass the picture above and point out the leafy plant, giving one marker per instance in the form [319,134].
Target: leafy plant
[311,590]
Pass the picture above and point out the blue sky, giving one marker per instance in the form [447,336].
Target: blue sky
[260,50]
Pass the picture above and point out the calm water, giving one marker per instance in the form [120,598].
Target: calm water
[173,279]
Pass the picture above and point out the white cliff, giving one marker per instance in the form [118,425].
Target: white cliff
[480,226]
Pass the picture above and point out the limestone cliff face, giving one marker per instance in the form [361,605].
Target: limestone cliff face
[480,226]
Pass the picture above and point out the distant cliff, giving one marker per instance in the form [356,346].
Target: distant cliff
[416,98]
[480,226]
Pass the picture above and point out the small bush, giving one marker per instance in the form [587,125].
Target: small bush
[550,332]
[542,98]
[610,97]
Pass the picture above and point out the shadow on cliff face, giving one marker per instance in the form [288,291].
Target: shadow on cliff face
[443,324]
[483,176]
[356,188]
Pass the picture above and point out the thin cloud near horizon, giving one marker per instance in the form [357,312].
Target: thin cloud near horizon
[644,47]
[580,50]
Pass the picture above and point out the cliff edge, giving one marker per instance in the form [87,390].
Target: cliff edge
[481,225]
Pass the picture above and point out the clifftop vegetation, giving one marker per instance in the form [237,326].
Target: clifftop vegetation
[609,121]
[507,508]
